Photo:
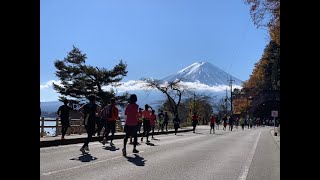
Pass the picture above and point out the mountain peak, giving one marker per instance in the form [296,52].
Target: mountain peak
[205,73]
[193,67]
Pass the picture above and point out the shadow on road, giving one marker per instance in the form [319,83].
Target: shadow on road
[85,158]
[179,135]
[156,139]
[151,144]
[137,160]
[138,144]
[111,148]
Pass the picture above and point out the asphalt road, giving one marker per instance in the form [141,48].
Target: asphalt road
[228,155]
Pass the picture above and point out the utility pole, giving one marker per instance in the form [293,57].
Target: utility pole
[194,102]
[226,102]
[231,94]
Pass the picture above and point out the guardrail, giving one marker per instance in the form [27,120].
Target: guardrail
[76,126]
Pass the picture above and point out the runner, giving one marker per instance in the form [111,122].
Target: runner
[160,120]
[111,121]
[152,122]
[166,121]
[89,111]
[230,123]
[130,127]
[194,121]
[212,123]
[146,122]
[217,122]
[140,120]
[242,122]
[224,122]
[176,124]
[63,113]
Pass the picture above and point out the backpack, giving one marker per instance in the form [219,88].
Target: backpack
[89,111]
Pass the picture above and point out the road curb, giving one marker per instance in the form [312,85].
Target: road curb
[59,142]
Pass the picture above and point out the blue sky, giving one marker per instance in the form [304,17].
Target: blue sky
[155,38]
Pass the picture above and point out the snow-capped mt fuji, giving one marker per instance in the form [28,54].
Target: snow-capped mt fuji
[205,73]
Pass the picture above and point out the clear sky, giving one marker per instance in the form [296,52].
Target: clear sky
[156,38]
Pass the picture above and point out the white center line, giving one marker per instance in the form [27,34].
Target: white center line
[245,168]
[76,167]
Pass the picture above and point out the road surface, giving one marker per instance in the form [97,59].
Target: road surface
[227,155]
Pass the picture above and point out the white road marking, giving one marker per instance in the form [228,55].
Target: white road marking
[76,167]
[245,168]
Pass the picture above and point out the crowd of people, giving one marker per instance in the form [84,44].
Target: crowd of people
[96,117]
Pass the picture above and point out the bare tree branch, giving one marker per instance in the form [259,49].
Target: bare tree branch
[171,89]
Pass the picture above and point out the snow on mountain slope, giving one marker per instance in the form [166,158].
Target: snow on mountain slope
[205,73]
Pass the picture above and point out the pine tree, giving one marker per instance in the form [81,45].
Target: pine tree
[79,80]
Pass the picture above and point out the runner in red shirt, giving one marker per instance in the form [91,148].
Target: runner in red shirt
[152,122]
[146,122]
[130,127]
[194,121]
[212,123]
[140,120]
[111,121]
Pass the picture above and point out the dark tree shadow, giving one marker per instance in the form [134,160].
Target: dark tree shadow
[85,158]
[179,134]
[137,160]
[151,144]
[111,148]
